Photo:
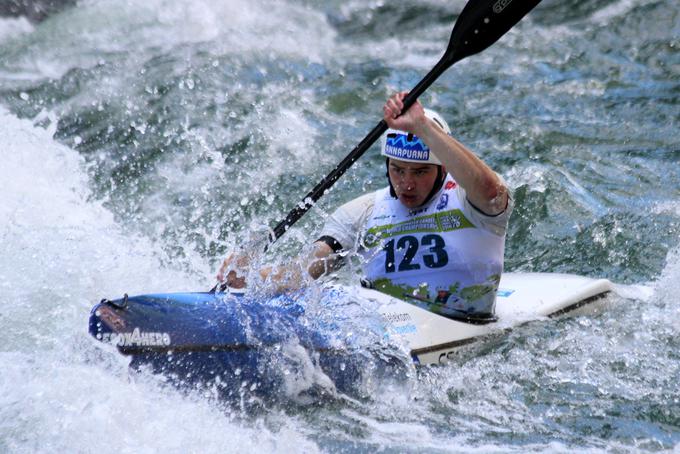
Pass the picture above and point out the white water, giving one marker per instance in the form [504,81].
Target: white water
[59,392]
[59,253]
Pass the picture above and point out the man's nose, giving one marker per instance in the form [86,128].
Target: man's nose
[408,182]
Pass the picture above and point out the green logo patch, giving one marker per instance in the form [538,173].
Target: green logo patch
[444,221]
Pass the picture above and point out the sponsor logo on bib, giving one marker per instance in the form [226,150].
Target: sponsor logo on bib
[443,202]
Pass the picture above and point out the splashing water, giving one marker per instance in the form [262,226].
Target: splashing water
[141,140]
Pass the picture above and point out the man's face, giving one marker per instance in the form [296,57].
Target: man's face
[412,181]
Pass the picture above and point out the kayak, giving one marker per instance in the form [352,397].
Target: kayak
[333,336]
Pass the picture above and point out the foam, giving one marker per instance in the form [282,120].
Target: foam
[9,28]
[85,35]
[60,390]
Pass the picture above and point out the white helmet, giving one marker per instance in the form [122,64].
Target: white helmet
[404,146]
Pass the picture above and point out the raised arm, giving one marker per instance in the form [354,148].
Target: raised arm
[485,190]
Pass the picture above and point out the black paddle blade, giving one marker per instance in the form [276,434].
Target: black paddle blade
[482,23]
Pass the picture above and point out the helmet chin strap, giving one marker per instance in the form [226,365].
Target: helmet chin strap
[439,182]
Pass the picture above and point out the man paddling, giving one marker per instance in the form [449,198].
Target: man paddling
[434,237]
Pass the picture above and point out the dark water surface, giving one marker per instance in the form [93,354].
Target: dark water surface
[141,140]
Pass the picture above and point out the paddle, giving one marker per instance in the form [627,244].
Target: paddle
[480,24]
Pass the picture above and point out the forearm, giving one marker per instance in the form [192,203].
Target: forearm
[283,277]
[322,261]
[484,188]
[291,276]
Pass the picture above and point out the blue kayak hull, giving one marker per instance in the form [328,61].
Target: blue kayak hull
[265,346]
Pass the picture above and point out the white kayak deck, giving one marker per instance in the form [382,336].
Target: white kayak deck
[521,297]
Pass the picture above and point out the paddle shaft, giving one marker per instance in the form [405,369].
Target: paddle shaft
[319,190]
[480,24]
[329,180]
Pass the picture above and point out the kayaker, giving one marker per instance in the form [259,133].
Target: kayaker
[435,236]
